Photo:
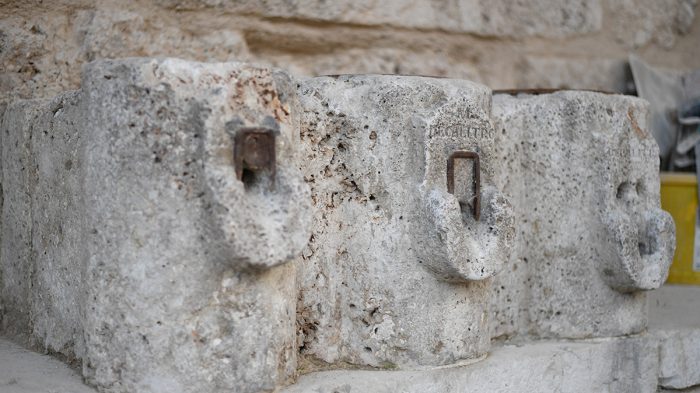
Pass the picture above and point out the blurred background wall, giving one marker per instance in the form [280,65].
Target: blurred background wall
[502,43]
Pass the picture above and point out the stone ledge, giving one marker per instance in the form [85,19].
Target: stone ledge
[602,365]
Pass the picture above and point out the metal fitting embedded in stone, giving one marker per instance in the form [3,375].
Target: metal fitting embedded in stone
[476,199]
[254,151]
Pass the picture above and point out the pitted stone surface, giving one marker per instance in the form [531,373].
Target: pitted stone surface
[129,243]
[639,22]
[180,249]
[495,42]
[42,224]
[387,279]
[582,172]
[17,187]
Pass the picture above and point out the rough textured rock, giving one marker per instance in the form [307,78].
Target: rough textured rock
[430,62]
[499,18]
[638,22]
[551,72]
[181,253]
[624,365]
[57,221]
[128,240]
[42,221]
[17,189]
[391,276]
[45,53]
[44,44]
[582,171]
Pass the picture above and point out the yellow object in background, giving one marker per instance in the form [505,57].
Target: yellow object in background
[679,196]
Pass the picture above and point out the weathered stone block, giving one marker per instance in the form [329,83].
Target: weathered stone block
[548,18]
[610,75]
[181,251]
[16,249]
[394,273]
[58,287]
[42,224]
[42,257]
[640,22]
[130,241]
[582,172]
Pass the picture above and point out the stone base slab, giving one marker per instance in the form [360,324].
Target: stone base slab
[601,365]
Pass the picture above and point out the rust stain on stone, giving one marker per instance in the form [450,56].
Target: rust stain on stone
[635,126]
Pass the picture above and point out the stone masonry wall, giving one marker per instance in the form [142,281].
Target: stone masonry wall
[503,44]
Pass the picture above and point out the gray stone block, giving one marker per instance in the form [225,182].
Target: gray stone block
[58,286]
[582,172]
[182,254]
[41,220]
[42,258]
[131,242]
[16,250]
[394,274]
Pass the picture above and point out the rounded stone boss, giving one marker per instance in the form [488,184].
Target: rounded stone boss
[407,224]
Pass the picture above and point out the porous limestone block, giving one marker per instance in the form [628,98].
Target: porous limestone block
[130,242]
[16,246]
[640,22]
[57,260]
[43,255]
[395,272]
[613,365]
[189,286]
[581,170]
[499,18]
